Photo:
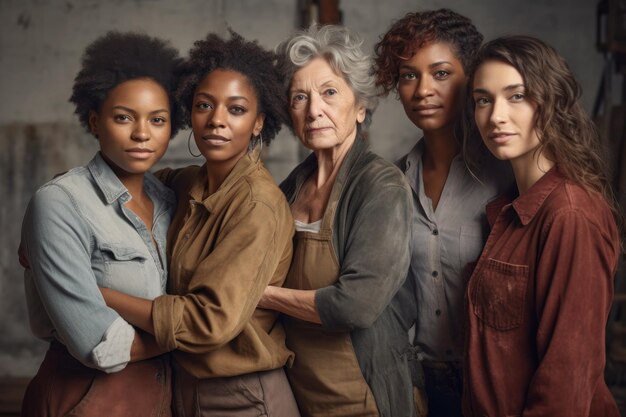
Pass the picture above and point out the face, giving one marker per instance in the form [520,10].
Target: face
[323,107]
[133,126]
[504,116]
[431,87]
[225,116]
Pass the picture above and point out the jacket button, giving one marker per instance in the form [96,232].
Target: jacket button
[435,232]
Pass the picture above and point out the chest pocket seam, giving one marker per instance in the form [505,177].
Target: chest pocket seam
[121,253]
[500,294]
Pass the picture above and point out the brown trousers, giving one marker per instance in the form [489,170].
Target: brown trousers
[65,387]
[265,393]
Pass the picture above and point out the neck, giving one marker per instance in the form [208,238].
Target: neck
[134,185]
[441,147]
[132,181]
[329,161]
[529,168]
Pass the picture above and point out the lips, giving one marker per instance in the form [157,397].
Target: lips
[215,140]
[427,109]
[316,130]
[500,137]
[140,153]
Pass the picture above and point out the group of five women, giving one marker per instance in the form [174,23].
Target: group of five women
[297,300]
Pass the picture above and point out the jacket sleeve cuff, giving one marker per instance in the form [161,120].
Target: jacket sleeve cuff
[166,315]
[327,310]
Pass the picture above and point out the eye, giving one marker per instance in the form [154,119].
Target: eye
[517,97]
[159,120]
[441,75]
[238,110]
[330,92]
[481,101]
[203,105]
[122,118]
[298,97]
[408,76]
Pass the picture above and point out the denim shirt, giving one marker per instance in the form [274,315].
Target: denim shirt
[79,236]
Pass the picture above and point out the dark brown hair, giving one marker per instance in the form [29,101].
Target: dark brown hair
[415,30]
[567,136]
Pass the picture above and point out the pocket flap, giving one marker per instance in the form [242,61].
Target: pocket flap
[121,252]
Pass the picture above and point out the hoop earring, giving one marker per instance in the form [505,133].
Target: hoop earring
[189,145]
[256,140]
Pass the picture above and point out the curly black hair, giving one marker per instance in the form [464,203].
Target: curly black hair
[258,65]
[415,30]
[118,57]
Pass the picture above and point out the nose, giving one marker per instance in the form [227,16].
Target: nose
[141,133]
[424,88]
[498,112]
[314,110]
[217,118]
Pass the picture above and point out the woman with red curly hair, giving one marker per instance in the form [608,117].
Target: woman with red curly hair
[425,57]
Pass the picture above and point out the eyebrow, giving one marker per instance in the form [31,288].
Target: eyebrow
[507,88]
[329,82]
[229,98]
[128,109]
[433,65]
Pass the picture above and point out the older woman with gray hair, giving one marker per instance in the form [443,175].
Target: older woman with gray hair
[351,250]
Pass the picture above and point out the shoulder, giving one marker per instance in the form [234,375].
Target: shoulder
[570,201]
[67,189]
[261,188]
[177,177]
[373,173]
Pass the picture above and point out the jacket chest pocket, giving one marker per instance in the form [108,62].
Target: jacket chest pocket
[126,270]
[500,294]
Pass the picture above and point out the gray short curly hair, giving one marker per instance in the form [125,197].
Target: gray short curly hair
[341,48]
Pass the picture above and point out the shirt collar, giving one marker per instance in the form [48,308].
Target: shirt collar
[414,157]
[109,184]
[246,164]
[528,204]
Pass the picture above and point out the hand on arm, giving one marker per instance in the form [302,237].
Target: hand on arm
[295,303]
[137,311]
[144,347]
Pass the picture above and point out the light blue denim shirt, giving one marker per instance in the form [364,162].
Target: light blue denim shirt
[79,236]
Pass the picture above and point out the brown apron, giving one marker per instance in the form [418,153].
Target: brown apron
[325,376]
[65,387]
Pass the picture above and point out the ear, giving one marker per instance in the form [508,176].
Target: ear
[258,124]
[360,114]
[93,123]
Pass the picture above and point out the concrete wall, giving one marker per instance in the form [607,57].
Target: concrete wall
[40,46]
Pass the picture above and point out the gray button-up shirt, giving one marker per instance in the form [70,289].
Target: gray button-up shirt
[443,242]
[78,236]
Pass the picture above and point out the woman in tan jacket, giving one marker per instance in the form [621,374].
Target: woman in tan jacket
[230,238]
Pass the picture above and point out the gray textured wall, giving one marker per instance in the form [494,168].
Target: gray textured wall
[40,46]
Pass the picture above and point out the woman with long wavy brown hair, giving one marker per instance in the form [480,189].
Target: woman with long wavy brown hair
[539,297]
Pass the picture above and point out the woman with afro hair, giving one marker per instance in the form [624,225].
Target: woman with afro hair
[426,58]
[105,225]
[230,238]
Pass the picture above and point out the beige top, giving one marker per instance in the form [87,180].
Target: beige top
[223,251]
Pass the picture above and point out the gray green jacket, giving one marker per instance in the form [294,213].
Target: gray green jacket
[371,237]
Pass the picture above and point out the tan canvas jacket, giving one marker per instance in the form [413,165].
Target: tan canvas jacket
[223,251]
